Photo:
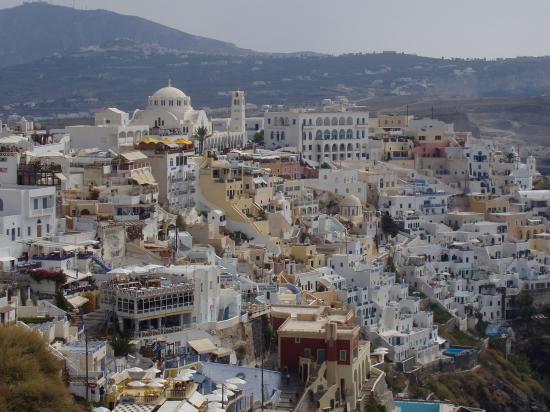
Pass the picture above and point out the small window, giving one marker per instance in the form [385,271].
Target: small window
[296,340]
[35,204]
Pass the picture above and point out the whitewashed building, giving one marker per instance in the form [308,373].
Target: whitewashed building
[27,212]
[319,135]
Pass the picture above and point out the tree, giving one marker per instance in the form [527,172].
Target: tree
[390,265]
[61,302]
[180,223]
[374,406]
[121,345]
[240,351]
[325,165]
[268,336]
[258,137]
[524,304]
[30,377]
[389,227]
[200,135]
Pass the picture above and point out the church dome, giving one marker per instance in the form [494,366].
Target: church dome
[350,201]
[169,92]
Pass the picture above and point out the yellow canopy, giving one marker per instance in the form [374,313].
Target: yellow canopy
[149,140]
[183,141]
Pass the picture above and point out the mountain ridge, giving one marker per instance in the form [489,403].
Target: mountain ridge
[36,30]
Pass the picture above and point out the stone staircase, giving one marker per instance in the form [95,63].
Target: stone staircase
[101,263]
[95,322]
[289,400]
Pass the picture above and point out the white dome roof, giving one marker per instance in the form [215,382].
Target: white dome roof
[351,201]
[169,92]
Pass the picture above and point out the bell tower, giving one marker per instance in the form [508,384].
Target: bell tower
[237,124]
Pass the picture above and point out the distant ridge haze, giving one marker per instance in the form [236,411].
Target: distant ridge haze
[36,30]
[466,28]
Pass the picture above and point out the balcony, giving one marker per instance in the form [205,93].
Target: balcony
[125,200]
[55,256]
[432,205]
[41,212]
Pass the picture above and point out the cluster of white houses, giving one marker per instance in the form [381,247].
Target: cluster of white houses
[337,228]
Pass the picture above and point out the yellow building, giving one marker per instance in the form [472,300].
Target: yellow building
[541,242]
[487,203]
[519,225]
[429,136]
[397,148]
[388,124]
[308,255]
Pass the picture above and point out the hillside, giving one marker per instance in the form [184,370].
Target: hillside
[497,385]
[124,73]
[35,30]
[518,382]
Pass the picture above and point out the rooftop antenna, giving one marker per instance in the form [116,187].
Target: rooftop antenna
[169,82]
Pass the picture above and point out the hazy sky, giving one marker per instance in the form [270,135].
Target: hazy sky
[462,28]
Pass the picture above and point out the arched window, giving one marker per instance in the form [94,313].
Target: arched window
[350,121]
[327,121]
[349,134]
[327,134]
[342,134]
[334,147]
[319,135]
[341,121]
[334,134]
[310,135]
[319,121]
[327,148]
[342,147]
[334,121]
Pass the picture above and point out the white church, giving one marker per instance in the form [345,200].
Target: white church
[168,113]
